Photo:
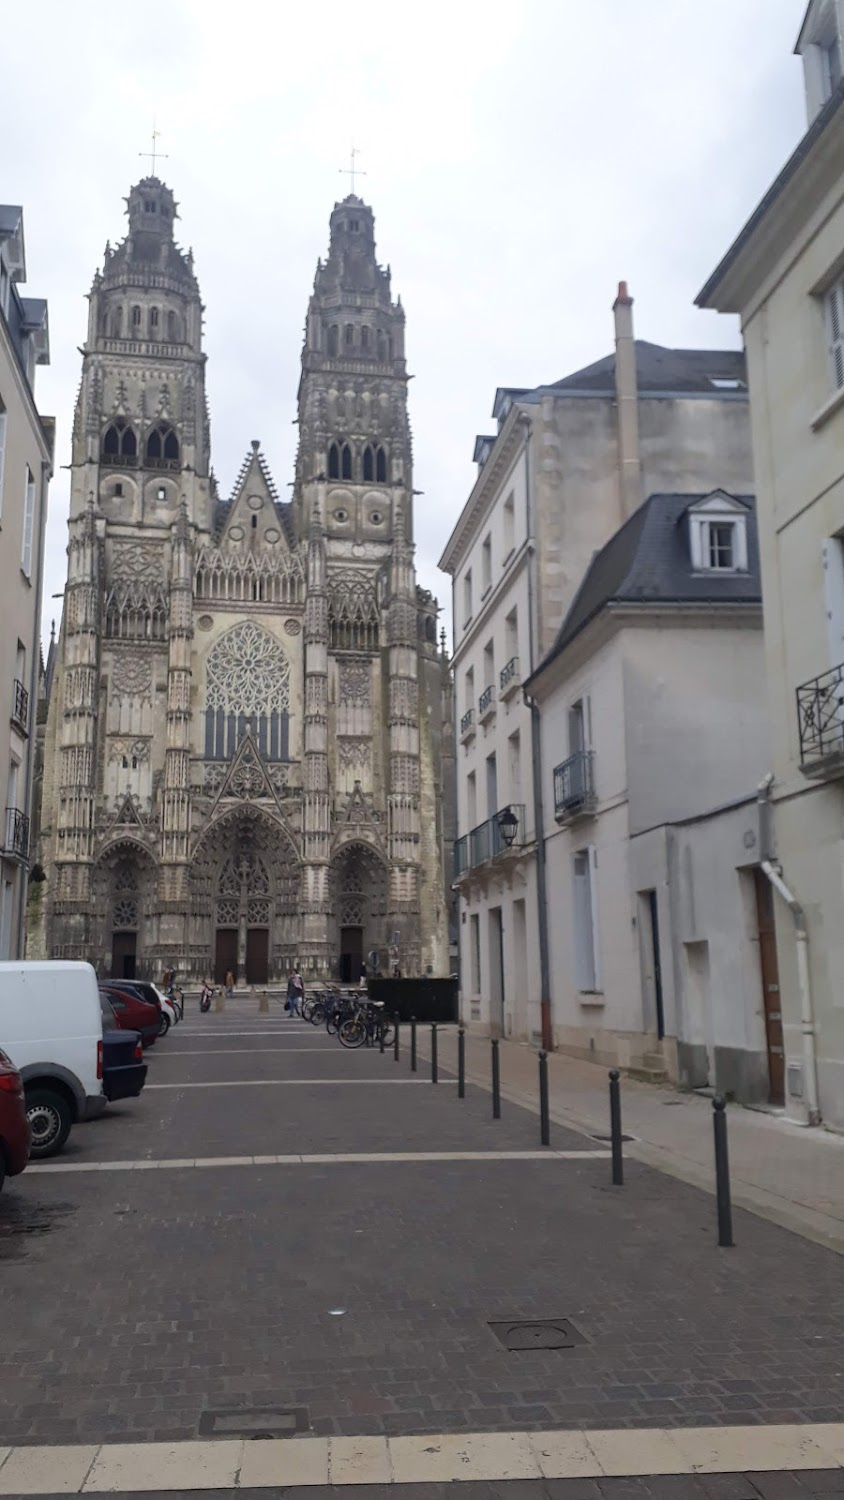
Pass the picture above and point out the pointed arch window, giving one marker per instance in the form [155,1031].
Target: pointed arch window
[381,466]
[333,339]
[350,335]
[368,464]
[364,337]
[173,329]
[334,462]
[346,462]
[136,317]
[153,317]
[117,323]
[120,445]
[162,448]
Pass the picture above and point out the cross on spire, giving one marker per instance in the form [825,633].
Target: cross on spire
[351,170]
[154,153]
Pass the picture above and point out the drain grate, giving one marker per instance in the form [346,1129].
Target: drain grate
[254,1422]
[554,1333]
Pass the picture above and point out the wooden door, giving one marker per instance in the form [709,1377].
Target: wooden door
[257,955]
[351,954]
[225,954]
[123,951]
[770,973]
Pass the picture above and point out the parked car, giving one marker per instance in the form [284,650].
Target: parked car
[15,1134]
[51,1028]
[146,990]
[124,1069]
[133,1014]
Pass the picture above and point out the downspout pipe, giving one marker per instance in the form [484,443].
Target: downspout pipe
[773,872]
[46,471]
[536,762]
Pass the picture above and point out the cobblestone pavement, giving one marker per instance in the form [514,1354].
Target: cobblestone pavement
[134,1302]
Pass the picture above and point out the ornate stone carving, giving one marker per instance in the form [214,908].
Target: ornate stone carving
[213,777]
[292,627]
[125,913]
[353,752]
[131,674]
[248,672]
[355,682]
[134,560]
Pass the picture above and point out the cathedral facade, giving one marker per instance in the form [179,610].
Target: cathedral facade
[249,753]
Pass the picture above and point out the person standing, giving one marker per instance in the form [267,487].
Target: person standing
[295,993]
[229,983]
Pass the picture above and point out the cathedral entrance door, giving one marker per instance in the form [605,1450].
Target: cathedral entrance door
[351,954]
[225,954]
[123,953]
[257,954]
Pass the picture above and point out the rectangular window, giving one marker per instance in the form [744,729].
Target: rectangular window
[28,524]
[472,800]
[470,690]
[489,664]
[511,635]
[834,303]
[475,954]
[2,452]
[491,786]
[486,566]
[718,543]
[467,596]
[578,727]
[587,977]
[515,750]
[721,544]
[509,525]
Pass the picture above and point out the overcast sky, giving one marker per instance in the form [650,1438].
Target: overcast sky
[521,158]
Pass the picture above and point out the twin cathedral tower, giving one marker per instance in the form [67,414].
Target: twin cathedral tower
[249,752]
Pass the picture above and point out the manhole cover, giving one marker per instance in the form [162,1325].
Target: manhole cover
[554,1333]
[258,1422]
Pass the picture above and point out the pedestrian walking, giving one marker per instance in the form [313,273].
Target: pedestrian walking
[229,983]
[205,995]
[295,993]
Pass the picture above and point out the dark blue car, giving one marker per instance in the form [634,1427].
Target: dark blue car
[124,1069]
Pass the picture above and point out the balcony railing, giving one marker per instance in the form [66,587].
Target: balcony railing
[820,721]
[486,703]
[20,706]
[574,786]
[171,464]
[487,840]
[120,460]
[467,724]
[509,678]
[17,833]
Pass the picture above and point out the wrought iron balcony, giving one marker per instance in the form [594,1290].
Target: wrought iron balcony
[509,678]
[505,830]
[486,703]
[20,705]
[820,721]
[17,834]
[574,787]
[467,725]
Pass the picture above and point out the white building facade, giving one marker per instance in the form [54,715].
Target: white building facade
[784,276]
[570,462]
[654,737]
[26,444]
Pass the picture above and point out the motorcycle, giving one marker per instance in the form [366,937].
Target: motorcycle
[205,997]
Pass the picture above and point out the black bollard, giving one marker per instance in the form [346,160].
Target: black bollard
[544,1117]
[461,1063]
[396,1036]
[496,1081]
[435,1075]
[615,1129]
[722,1172]
[413,1044]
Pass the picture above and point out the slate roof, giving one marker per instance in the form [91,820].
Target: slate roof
[283,508]
[661,369]
[10,217]
[649,562]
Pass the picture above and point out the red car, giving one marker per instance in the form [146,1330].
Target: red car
[132,1013]
[15,1134]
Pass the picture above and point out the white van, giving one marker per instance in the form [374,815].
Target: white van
[51,1027]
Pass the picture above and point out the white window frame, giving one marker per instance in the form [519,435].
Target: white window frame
[28,537]
[700,540]
[486,565]
[467,597]
[587,957]
[509,527]
[475,953]
[2,452]
[834,318]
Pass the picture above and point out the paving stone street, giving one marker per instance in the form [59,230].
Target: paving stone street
[159,1273]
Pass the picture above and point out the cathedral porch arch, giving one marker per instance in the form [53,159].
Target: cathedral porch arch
[245,879]
[358,886]
[124,890]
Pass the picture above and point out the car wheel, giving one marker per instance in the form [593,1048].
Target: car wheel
[49,1120]
[165,1024]
[2,1168]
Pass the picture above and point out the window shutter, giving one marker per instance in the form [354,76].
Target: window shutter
[584,945]
[835,320]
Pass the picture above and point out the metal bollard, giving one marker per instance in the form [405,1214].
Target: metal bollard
[435,1072]
[722,1172]
[413,1044]
[615,1129]
[496,1081]
[396,1036]
[544,1117]
[461,1063]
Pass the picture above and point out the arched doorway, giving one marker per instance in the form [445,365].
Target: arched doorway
[245,882]
[123,885]
[358,886]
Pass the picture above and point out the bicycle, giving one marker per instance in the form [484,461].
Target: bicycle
[367,1026]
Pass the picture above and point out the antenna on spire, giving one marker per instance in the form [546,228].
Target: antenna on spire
[351,171]
[155,153]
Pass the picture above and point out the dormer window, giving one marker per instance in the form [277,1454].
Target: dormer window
[718,535]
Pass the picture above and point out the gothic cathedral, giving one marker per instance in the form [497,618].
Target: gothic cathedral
[249,756]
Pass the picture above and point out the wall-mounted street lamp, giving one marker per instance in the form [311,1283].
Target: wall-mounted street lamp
[507,826]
